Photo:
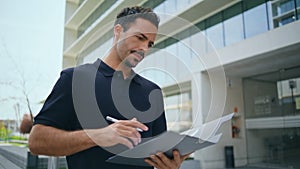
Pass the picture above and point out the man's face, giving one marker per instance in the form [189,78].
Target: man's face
[133,44]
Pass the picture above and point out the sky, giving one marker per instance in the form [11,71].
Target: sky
[31,50]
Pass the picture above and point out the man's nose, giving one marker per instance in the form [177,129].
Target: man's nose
[144,46]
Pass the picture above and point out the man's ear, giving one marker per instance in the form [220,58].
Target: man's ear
[117,30]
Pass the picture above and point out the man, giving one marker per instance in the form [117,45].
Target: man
[69,124]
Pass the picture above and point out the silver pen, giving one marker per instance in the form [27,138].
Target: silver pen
[116,120]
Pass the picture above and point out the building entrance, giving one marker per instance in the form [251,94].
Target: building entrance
[272,112]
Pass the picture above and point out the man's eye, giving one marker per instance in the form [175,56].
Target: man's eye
[150,45]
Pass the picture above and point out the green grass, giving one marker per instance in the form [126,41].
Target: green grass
[18,144]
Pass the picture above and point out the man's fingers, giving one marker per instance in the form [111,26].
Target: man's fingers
[156,159]
[125,142]
[177,157]
[134,123]
[150,162]
[164,159]
[128,132]
[128,129]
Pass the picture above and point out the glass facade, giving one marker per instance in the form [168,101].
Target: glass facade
[272,106]
[241,21]
[171,7]
[238,22]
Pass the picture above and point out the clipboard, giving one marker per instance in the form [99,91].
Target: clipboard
[186,142]
[166,142]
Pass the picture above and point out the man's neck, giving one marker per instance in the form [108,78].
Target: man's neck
[117,65]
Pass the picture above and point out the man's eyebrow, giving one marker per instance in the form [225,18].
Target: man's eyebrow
[144,36]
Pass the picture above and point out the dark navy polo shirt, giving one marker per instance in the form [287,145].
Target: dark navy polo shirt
[83,96]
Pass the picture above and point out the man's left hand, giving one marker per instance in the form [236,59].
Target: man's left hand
[161,161]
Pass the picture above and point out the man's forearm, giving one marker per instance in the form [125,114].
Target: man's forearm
[45,140]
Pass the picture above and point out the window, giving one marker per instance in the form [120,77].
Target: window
[178,106]
[256,21]
[283,7]
[285,12]
[215,37]
[233,24]
[234,30]
[214,32]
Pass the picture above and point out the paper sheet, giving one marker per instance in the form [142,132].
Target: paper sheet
[209,129]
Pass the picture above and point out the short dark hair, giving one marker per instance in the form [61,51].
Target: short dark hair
[130,14]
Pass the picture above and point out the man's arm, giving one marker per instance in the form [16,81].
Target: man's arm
[51,141]
[46,140]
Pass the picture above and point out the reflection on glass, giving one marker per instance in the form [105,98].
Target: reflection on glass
[256,21]
[198,44]
[287,20]
[171,6]
[215,36]
[160,10]
[182,4]
[184,53]
[274,147]
[178,111]
[234,30]
[272,103]
[285,6]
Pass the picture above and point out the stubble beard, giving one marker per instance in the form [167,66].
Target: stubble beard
[128,64]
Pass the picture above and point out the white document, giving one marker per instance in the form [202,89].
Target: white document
[209,129]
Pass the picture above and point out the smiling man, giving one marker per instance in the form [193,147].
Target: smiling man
[66,127]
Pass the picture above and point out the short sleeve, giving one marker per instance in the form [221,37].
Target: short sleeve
[58,110]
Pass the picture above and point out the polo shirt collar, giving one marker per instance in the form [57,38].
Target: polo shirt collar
[109,72]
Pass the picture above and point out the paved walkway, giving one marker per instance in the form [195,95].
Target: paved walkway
[6,164]
[19,156]
[15,157]
[12,157]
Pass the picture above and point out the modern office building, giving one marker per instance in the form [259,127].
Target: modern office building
[212,58]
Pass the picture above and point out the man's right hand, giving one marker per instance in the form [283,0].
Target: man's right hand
[121,132]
